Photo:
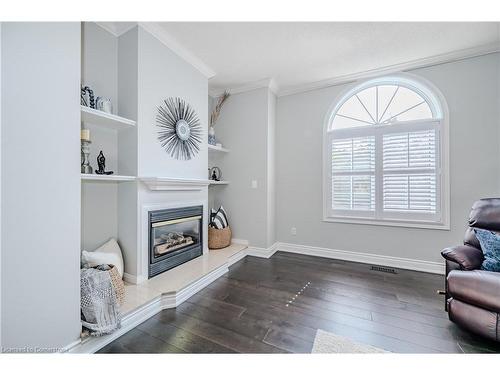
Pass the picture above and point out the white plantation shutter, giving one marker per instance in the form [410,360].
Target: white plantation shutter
[353,174]
[383,148]
[409,171]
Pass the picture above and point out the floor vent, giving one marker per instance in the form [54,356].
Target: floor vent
[383,269]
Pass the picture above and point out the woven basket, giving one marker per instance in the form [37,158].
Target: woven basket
[118,284]
[219,238]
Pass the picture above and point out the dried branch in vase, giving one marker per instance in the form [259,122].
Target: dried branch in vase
[216,112]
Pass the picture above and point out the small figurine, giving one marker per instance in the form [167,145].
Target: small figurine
[101,163]
[216,174]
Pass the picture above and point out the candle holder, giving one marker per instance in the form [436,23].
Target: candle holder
[85,166]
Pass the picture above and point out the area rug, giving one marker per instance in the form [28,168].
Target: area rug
[326,342]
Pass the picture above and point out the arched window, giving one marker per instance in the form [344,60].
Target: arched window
[385,155]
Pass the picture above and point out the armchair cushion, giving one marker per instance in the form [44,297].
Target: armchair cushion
[490,244]
[468,257]
[479,288]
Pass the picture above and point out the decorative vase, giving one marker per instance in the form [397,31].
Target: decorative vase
[211,136]
[85,165]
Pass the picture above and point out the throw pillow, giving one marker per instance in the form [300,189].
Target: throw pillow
[109,253]
[219,219]
[490,244]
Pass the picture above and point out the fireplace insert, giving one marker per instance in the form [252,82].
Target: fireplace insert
[175,237]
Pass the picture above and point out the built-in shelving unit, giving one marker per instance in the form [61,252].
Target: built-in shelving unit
[106,120]
[107,178]
[212,148]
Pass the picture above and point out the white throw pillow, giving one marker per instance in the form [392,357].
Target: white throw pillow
[109,253]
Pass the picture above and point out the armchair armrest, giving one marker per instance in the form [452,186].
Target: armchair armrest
[468,257]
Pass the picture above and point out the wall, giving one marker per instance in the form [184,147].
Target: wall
[155,73]
[99,200]
[127,147]
[271,169]
[40,154]
[243,127]
[164,74]
[470,88]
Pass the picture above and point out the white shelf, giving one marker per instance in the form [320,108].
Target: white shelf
[217,149]
[219,182]
[106,120]
[104,177]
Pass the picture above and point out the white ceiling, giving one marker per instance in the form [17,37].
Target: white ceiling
[295,54]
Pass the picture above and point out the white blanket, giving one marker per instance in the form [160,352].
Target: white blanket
[100,311]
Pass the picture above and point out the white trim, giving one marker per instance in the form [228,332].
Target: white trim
[262,252]
[268,83]
[386,222]
[133,279]
[172,300]
[155,29]
[352,256]
[116,28]
[239,241]
[174,184]
[163,36]
[439,100]
[144,312]
[444,58]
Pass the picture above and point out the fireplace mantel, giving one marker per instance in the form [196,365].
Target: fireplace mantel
[174,184]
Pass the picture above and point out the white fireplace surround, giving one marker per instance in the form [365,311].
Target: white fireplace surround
[174,184]
[143,248]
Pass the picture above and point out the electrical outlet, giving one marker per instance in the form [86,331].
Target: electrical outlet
[293,231]
[254,184]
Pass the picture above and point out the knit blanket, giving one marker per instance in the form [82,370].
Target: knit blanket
[100,310]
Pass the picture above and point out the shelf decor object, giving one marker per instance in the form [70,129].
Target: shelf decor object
[85,151]
[101,163]
[180,132]
[214,116]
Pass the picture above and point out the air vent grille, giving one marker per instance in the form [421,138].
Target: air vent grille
[383,269]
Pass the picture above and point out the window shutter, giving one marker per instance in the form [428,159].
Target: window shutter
[353,179]
[409,171]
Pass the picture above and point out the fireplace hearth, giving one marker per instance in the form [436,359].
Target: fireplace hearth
[175,237]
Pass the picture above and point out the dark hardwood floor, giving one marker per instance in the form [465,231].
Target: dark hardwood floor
[276,305]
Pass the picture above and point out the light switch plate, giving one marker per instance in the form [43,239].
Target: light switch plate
[254,184]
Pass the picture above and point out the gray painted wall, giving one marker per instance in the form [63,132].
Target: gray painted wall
[40,231]
[164,74]
[471,90]
[99,200]
[155,73]
[243,127]
[127,147]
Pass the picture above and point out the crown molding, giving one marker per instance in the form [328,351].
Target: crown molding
[119,28]
[410,65]
[116,28]
[269,83]
[163,36]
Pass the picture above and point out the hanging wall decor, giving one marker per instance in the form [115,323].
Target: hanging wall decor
[180,132]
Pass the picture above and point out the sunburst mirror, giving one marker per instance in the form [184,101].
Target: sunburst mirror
[180,131]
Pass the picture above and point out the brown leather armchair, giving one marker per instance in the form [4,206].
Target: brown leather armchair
[473,295]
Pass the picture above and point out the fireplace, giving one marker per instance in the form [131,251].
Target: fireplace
[175,237]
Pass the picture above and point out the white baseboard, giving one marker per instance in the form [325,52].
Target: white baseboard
[239,241]
[172,300]
[133,279]
[144,312]
[382,260]
[262,252]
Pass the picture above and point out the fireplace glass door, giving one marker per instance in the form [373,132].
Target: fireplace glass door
[172,235]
